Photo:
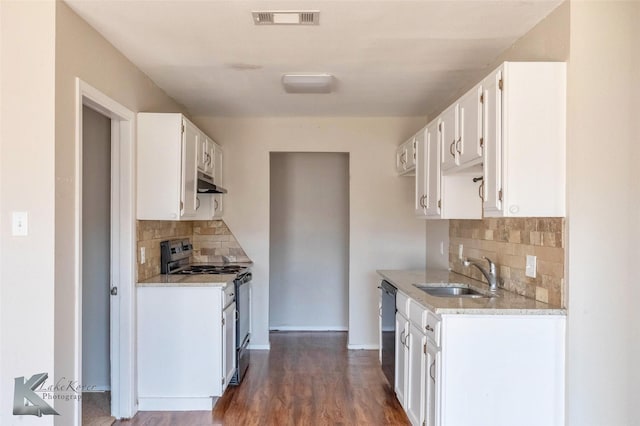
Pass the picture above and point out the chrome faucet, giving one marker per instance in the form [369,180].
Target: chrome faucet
[490,275]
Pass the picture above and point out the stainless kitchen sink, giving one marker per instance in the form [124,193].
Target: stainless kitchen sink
[455,290]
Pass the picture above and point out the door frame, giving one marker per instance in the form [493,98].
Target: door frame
[123,242]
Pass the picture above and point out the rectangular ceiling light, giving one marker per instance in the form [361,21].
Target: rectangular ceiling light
[286,17]
[307,83]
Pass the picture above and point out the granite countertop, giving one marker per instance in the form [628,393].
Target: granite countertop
[202,280]
[505,302]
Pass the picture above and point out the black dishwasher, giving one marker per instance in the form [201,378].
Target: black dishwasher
[388,325]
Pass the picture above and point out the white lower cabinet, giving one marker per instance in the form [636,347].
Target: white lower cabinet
[476,370]
[186,347]
[415,374]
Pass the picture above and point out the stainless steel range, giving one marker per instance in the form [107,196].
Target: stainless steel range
[175,259]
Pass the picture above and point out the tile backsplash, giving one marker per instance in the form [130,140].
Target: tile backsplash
[507,242]
[211,240]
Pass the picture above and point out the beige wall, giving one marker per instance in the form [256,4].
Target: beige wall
[602,226]
[81,52]
[383,231]
[26,184]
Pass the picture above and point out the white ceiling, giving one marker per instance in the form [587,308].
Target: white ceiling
[389,57]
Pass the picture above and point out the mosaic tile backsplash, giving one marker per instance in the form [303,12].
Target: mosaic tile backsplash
[507,242]
[211,240]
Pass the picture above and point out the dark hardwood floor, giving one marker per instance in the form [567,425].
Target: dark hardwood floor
[307,378]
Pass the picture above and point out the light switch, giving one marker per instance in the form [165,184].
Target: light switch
[143,255]
[20,224]
[530,267]
[460,251]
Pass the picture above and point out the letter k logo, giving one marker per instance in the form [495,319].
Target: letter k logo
[24,391]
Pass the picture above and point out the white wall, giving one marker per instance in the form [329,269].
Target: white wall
[96,277]
[602,201]
[309,241]
[27,87]
[383,231]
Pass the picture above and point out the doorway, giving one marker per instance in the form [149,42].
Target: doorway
[309,242]
[96,267]
[105,245]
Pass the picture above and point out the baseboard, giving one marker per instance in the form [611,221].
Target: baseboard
[363,347]
[308,328]
[266,347]
[175,404]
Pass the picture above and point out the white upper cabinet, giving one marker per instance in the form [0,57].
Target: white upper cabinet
[406,157]
[189,200]
[428,201]
[525,140]
[171,152]
[469,143]
[500,148]
[449,137]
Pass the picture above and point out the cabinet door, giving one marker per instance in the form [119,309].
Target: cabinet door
[422,171]
[411,153]
[401,359]
[201,155]
[414,397]
[468,147]
[401,159]
[217,156]
[228,344]
[448,130]
[433,199]
[492,178]
[189,201]
[431,384]
[209,157]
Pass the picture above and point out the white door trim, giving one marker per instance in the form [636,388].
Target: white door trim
[123,231]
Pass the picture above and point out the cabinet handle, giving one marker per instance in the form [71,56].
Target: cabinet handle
[215,204]
[481,191]
[451,147]
[458,145]
[380,311]
[197,203]
[402,338]
[429,328]
[432,374]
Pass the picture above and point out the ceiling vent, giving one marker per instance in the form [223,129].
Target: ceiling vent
[287,17]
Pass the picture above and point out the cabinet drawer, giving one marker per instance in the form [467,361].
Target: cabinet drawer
[402,304]
[432,327]
[417,314]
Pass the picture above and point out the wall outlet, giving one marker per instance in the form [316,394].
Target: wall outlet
[143,255]
[460,252]
[442,248]
[530,267]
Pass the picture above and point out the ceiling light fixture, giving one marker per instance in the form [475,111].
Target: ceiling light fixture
[308,83]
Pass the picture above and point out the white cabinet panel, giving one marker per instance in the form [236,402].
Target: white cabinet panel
[469,147]
[179,341]
[189,200]
[415,374]
[228,344]
[401,359]
[525,138]
[449,137]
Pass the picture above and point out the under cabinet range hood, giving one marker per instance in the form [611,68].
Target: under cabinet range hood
[206,185]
